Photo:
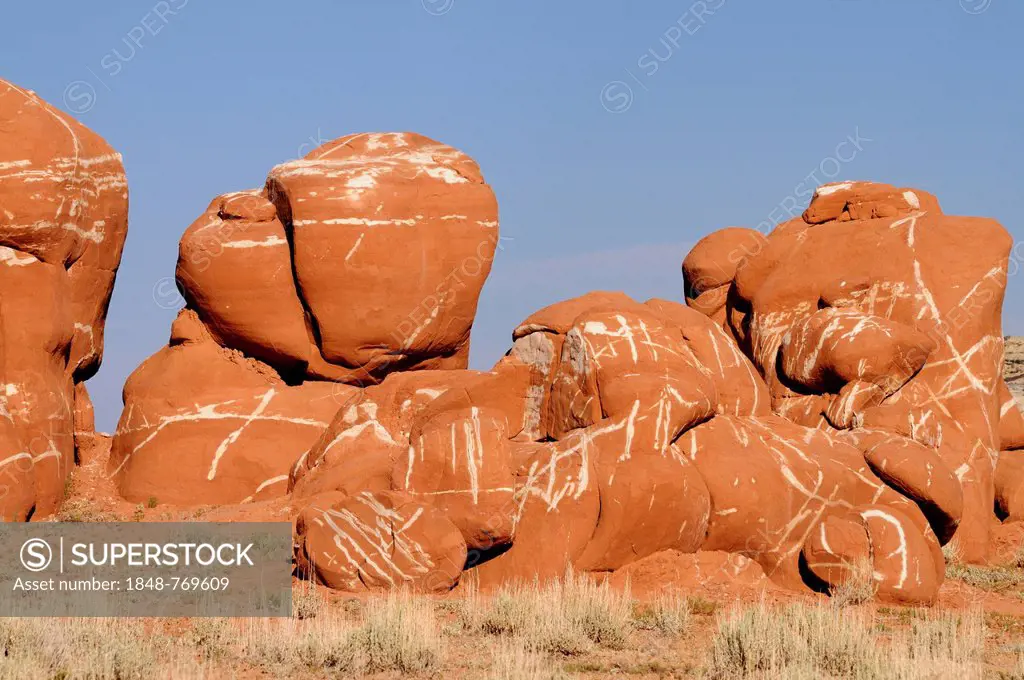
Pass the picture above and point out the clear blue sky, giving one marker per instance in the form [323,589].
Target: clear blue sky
[728,113]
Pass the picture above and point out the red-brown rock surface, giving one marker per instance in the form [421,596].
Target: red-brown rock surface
[392,237]
[63,221]
[831,397]
[366,258]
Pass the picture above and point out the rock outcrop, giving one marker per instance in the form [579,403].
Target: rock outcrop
[906,344]
[364,259]
[829,403]
[63,222]
[816,408]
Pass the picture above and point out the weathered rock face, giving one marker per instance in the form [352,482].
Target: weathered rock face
[403,225]
[1013,366]
[206,425]
[63,221]
[907,343]
[365,258]
[817,408]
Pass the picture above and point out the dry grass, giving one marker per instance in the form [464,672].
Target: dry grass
[996,578]
[83,510]
[859,588]
[514,661]
[828,641]
[398,633]
[571,627]
[307,601]
[668,615]
[99,649]
[566,616]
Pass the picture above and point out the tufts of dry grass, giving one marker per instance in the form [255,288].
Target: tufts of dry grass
[566,616]
[859,588]
[996,578]
[514,661]
[829,641]
[668,615]
[82,510]
[522,632]
[307,601]
[399,633]
[100,649]
[834,642]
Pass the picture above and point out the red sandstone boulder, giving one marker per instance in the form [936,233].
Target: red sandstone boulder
[63,221]
[208,425]
[235,269]
[304,284]
[711,265]
[378,541]
[555,510]
[814,411]
[392,238]
[907,343]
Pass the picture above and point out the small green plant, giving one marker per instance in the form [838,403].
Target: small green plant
[151,503]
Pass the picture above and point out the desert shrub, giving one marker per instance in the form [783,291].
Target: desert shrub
[758,639]
[669,614]
[307,601]
[859,588]
[701,606]
[98,649]
[563,616]
[828,641]
[942,643]
[514,661]
[82,510]
[995,578]
[399,633]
